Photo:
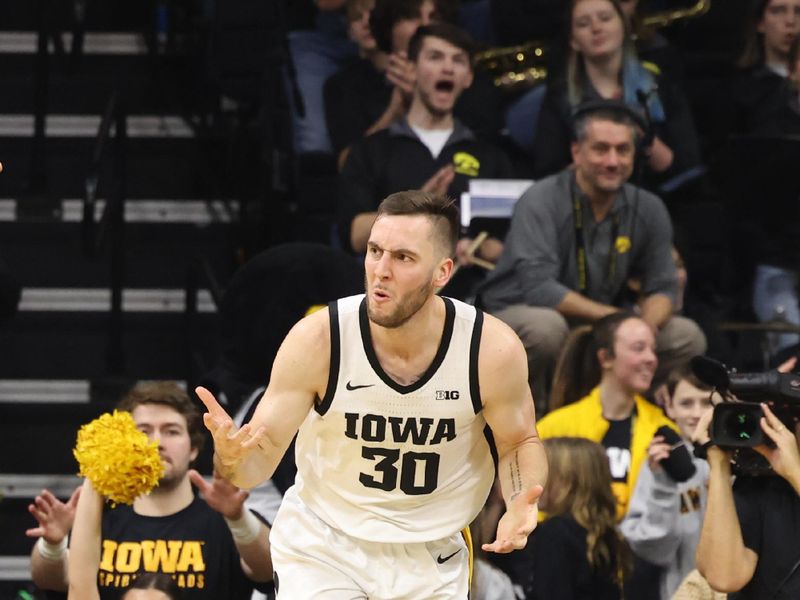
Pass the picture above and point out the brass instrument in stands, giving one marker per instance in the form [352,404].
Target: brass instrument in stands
[667,17]
[515,68]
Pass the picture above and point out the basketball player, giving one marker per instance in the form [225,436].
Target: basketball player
[391,392]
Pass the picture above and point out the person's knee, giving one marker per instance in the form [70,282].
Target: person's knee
[541,330]
[681,337]
[545,334]
[551,332]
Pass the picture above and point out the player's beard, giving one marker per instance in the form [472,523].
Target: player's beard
[407,307]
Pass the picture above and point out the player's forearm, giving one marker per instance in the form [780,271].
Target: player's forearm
[576,305]
[254,468]
[521,467]
[720,551]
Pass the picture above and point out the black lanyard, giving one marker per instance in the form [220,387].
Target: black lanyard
[580,244]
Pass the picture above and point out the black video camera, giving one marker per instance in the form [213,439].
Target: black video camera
[737,421]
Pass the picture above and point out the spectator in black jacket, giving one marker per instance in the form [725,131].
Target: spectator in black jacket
[429,149]
[373,93]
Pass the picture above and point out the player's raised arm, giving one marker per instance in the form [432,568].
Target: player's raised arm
[248,455]
[509,412]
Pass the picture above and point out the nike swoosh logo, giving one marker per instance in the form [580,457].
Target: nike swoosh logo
[350,387]
[443,559]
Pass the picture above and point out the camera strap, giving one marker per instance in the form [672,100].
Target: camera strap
[580,243]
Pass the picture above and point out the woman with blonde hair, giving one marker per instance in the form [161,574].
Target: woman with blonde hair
[578,553]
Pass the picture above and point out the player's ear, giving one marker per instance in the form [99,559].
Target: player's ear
[443,272]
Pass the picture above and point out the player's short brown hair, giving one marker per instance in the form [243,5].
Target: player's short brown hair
[440,209]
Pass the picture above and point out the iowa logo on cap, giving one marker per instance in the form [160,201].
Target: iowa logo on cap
[466,164]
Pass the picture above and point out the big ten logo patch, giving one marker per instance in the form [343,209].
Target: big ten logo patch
[183,559]
[447,394]
[466,164]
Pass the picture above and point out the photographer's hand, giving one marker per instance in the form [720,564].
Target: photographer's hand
[785,457]
[715,455]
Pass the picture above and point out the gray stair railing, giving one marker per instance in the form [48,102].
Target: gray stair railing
[110,229]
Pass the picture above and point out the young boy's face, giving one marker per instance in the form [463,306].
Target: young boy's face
[687,405]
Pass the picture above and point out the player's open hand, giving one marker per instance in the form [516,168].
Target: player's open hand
[220,494]
[55,517]
[517,523]
[231,444]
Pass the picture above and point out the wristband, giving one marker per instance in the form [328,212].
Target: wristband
[52,551]
[701,450]
[244,529]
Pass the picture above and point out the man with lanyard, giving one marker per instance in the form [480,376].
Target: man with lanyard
[577,238]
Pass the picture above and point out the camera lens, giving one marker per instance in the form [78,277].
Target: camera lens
[741,425]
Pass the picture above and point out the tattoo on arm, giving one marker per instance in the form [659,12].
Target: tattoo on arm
[515,476]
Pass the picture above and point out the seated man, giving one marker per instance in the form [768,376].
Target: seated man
[213,548]
[575,239]
[428,149]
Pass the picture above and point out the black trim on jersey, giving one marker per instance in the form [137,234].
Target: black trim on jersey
[474,347]
[333,373]
[444,344]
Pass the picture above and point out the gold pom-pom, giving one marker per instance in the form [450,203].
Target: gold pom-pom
[119,460]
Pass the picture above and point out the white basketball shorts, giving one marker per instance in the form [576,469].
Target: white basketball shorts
[317,562]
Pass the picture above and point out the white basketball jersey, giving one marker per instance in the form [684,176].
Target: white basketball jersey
[387,462]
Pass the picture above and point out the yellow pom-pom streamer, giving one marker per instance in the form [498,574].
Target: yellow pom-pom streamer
[119,460]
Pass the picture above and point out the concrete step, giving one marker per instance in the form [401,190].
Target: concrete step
[164,160]
[157,254]
[72,344]
[113,15]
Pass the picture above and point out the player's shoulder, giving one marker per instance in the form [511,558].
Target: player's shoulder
[496,334]
[500,345]
[312,326]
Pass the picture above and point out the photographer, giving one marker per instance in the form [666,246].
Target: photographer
[748,540]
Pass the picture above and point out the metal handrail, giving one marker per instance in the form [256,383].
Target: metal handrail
[199,272]
[111,226]
[48,32]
